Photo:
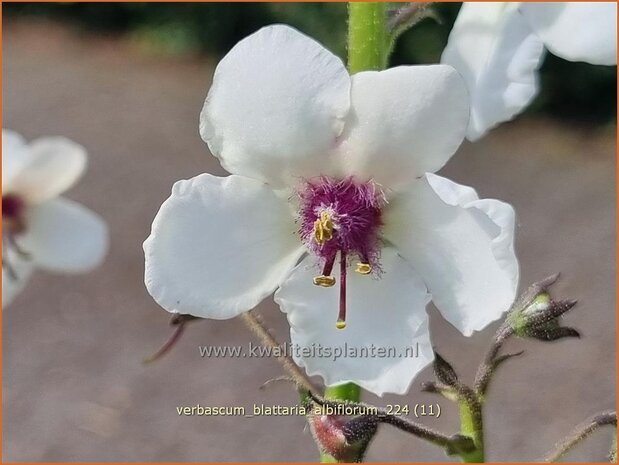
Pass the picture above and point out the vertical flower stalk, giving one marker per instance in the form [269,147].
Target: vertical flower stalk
[367,36]
[470,405]
[348,391]
[367,51]
[471,426]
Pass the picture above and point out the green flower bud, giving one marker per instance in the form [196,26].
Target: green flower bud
[536,314]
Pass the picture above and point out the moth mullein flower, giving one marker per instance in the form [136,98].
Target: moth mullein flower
[39,228]
[498,48]
[332,204]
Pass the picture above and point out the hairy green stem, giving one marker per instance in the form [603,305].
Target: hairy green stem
[348,391]
[471,425]
[368,37]
[254,322]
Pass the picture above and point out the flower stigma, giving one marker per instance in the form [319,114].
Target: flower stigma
[341,217]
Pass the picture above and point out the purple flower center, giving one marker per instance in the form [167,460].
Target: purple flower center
[13,223]
[341,215]
[12,207]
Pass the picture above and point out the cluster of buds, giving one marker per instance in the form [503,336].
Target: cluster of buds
[346,438]
[536,315]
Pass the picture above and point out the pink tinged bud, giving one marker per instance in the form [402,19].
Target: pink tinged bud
[343,438]
[328,431]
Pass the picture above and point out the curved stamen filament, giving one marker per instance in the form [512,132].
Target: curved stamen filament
[9,242]
[341,317]
[13,243]
[6,264]
[325,279]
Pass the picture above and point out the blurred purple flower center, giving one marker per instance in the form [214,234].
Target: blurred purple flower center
[13,223]
[12,207]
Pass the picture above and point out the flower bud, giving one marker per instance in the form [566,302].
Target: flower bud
[536,314]
[344,439]
[444,371]
[329,435]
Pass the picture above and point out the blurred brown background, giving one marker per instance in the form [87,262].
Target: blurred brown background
[74,387]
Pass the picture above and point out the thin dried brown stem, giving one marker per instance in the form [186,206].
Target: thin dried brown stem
[167,346]
[489,364]
[580,433]
[254,323]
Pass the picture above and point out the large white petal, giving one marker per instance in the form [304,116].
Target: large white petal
[404,122]
[462,247]
[576,31]
[63,235]
[15,280]
[54,164]
[219,246]
[387,313]
[14,157]
[276,106]
[498,55]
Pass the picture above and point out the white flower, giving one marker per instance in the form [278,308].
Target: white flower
[40,229]
[498,48]
[330,168]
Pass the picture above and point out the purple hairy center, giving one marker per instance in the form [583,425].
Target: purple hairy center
[341,216]
[355,212]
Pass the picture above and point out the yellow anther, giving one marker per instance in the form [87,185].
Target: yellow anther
[340,324]
[324,281]
[323,228]
[363,268]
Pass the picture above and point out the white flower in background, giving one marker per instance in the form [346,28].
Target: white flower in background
[40,229]
[328,168]
[498,48]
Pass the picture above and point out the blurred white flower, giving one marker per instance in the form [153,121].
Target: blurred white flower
[40,229]
[327,166]
[498,48]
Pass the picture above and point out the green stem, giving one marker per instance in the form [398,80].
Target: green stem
[368,44]
[349,391]
[471,425]
[368,38]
